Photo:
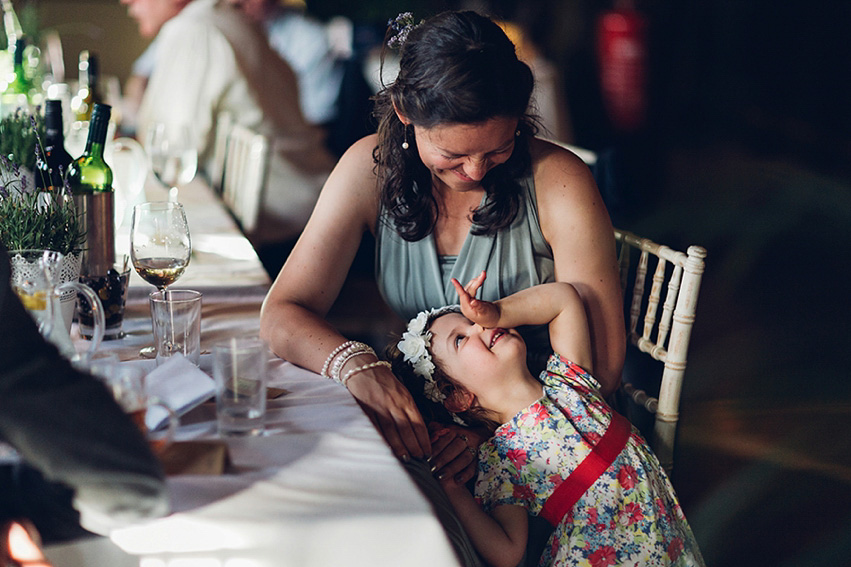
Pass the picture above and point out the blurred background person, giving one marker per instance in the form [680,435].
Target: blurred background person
[301,41]
[71,461]
[213,66]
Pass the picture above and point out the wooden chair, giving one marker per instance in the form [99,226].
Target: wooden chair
[220,148]
[665,334]
[244,178]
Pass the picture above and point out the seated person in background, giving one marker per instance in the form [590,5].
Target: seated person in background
[213,64]
[84,466]
[303,43]
[557,449]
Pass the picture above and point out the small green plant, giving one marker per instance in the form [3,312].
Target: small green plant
[20,133]
[31,218]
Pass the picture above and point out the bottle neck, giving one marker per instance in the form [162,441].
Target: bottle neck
[54,133]
[97,135]
[18,57]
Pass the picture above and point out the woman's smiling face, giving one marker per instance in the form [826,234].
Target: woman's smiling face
[459,155]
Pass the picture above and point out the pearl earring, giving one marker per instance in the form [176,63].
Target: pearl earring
[405,144]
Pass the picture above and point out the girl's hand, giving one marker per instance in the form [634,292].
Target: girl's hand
[392,409]
[454,453]
[485,313]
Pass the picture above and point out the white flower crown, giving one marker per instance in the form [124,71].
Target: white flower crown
[415,344]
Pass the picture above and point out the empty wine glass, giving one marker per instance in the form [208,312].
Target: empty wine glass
[160,245]
[172,153]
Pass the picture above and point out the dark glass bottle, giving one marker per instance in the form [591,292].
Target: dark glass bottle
[56,158]
[90,180]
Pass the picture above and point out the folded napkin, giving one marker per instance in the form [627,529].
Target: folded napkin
[180,385]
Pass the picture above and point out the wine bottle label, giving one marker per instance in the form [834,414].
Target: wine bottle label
[96,212]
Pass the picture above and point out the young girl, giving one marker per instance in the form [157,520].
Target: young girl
[557,449]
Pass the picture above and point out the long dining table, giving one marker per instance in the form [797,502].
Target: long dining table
[320,488]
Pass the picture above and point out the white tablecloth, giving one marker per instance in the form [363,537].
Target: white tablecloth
[321,488]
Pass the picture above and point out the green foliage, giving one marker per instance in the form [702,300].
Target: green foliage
[19,138]
[29,218]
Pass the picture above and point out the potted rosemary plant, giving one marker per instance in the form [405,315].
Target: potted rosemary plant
[31,218]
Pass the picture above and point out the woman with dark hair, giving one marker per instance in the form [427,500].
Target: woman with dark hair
[453,183]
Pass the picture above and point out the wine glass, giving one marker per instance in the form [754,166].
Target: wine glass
[160,245]
[172,153]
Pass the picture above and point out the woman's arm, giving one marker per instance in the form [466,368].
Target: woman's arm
[577,226]
[292,319]
[499,538]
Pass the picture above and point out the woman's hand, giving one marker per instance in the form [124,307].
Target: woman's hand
[392,409]
[454,452]
[478,311]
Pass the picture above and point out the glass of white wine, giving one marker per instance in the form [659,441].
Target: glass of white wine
[160,245]
[172,154]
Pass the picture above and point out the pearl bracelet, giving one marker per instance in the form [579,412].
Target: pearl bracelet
[333,354]
[351,352]
[367,366]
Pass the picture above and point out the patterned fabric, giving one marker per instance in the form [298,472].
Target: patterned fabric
[629,516]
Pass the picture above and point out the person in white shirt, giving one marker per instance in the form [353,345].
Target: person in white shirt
[213,63]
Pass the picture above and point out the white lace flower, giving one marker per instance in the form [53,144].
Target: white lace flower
[418,324]
[432,392]
[424,366]
[415,344]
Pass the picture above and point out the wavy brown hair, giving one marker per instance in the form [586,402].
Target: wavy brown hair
[455,68]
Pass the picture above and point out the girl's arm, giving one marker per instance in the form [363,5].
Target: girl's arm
[557,304]
[500,538]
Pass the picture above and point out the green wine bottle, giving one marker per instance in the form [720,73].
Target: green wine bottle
[18,89]
[90,180]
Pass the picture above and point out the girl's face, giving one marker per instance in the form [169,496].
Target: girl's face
[476,357]
[459,155]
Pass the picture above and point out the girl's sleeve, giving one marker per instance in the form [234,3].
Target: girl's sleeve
[561,371]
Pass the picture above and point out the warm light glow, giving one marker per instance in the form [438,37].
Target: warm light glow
[23,549]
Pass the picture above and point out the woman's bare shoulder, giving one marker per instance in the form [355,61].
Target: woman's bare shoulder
[549,158]
[359,156]
[560,173]
[350,193]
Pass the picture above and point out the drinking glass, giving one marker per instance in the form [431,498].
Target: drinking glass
[36,280]
[173,155]
[239,368]
[160,245]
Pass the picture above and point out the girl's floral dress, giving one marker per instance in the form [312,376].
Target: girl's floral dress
[629,516]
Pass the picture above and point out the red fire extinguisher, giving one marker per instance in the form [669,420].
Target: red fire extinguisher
[622,56]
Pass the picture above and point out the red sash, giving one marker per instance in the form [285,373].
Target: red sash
[589,470]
